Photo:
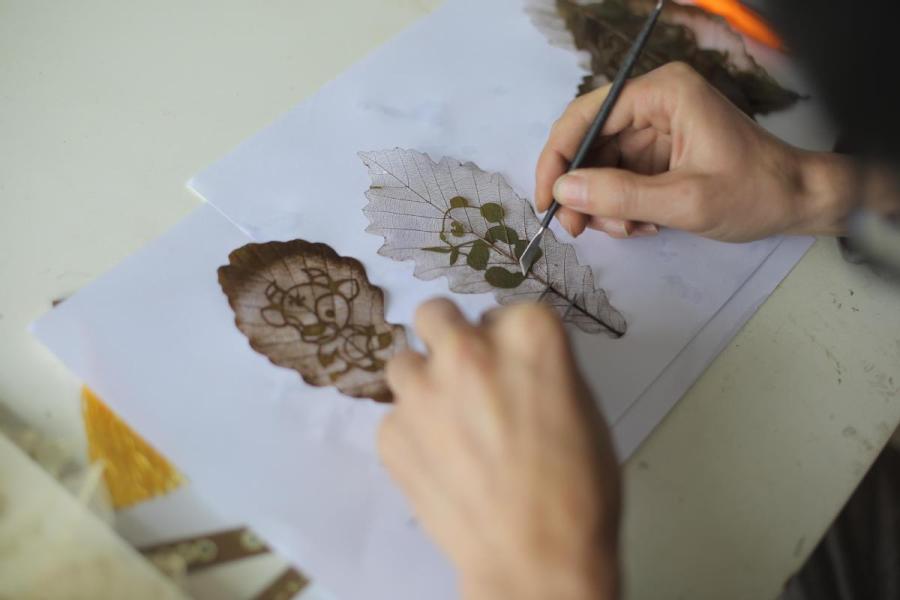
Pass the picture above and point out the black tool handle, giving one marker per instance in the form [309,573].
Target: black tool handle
[610,101]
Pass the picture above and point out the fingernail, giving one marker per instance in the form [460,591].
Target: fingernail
[618,227]
[566,222]
[563,220]
[571,190]
[645,230]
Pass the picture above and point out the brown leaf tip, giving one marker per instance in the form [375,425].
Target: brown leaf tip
[307,308]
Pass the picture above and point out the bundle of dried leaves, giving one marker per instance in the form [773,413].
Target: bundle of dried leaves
[606,29]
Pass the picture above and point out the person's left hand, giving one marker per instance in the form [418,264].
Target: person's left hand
[505,458]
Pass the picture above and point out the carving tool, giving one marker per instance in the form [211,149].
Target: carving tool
[526,260]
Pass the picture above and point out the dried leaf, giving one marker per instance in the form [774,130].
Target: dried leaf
[606,29]
[420,206]
[309,309]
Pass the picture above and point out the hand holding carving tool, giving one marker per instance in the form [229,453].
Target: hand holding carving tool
[529,255]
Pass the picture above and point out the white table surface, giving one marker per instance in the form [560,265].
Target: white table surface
[106,109]
[54,547]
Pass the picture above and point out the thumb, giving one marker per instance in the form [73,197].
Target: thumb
[670,199]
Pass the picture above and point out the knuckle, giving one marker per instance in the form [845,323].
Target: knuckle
[679,71]
[574,115]
[432,309]
[682,78]
[621,191]
[558,124]
[592,99]
[526,322]
[563,120]
[461,346]
[690,83]
[562,128]
[546,322]
[691,197]
[525,313]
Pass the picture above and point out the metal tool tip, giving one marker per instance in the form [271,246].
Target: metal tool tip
[526,260]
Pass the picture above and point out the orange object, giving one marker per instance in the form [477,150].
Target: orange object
[743,19]
[133,470]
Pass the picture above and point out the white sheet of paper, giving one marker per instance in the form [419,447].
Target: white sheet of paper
[488,96]
[156,338]
[644,414]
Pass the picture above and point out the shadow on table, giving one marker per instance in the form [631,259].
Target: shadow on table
[859,557]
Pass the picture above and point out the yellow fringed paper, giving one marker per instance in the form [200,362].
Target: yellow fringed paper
[133,470]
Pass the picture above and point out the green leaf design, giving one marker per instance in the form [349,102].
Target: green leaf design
[411,204]
[438,249]
[502,233]
[479,255]
[492,212]
[520,249]
[502,278]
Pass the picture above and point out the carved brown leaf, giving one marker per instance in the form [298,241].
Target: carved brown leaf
[605,30]
[457,221]
[308,309]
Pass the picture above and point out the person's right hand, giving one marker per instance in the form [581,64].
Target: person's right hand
[676,153]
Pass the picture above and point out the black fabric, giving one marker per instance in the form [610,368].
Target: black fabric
[850,51]
[859,557]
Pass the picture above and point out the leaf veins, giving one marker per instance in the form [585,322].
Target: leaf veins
[436,214]
[306,308]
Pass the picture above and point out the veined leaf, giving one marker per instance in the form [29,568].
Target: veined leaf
[413,205]
[605,29]
[306,308]
[501,277]
[479,255]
